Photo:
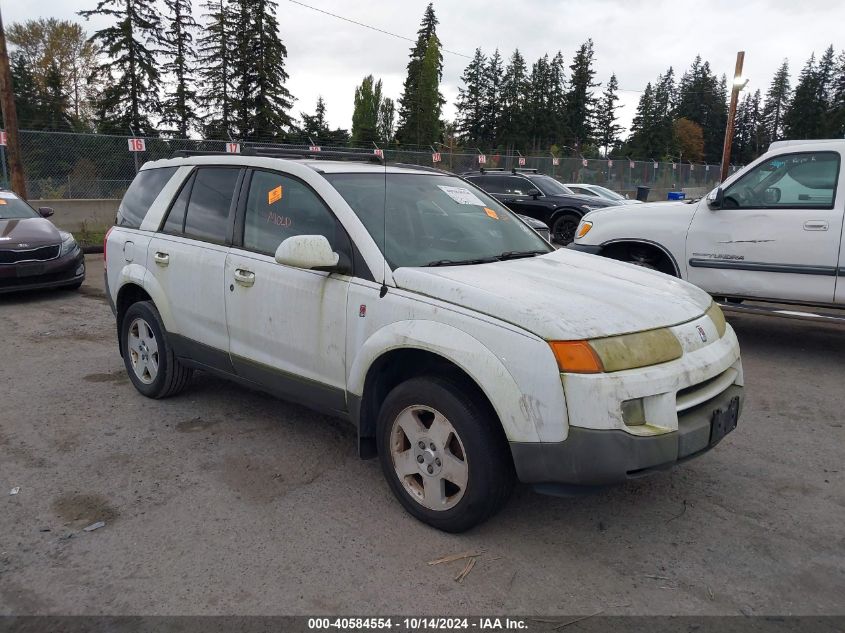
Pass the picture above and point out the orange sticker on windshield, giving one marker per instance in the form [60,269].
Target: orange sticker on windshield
[491,213]
[274,195]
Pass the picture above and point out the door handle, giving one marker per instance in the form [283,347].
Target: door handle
[162,259]
[815,225]
[244,277]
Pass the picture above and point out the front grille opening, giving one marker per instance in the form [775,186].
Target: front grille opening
[40,254]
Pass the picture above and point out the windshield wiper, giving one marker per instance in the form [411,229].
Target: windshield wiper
[461,262]
[519,254]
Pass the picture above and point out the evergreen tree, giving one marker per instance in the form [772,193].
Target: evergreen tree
[653,133]
[315,126]
[131,93]
[178,104]
[492,110]
[557,99]
[777,103]
[472,104]
[836,120]
[387,121]
[429,97]
[540,109]
[27,94]
[804,118]
[55,105]
[514,103]
[580,103]
[702,98]
[261,99]
[365,116]
[411,106]
[607,130]
[215,54]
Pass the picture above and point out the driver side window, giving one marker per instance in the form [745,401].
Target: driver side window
[793,181]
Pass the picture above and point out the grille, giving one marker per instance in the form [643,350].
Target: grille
[40,254]
[702,392]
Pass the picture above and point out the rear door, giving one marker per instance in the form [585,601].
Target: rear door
[778,233]
[187,258]
[287,326]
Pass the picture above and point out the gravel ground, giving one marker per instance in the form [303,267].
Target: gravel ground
[225,501]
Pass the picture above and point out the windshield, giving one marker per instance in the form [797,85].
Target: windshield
[549,186]
[435,220]
[13,208]
[607,193]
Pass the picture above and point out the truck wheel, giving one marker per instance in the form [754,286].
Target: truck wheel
[441,454]
[150,362]
[564,227]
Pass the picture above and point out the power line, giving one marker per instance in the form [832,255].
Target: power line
[372,28]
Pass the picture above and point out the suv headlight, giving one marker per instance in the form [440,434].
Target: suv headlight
[617,353]
[717,316]
[68,243]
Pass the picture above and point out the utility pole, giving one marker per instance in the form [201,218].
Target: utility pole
[10,115]
[738,85]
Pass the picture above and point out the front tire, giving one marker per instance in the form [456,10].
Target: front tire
[149,359]
[563,228]
[444,459]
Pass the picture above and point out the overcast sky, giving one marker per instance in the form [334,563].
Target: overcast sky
[636,39]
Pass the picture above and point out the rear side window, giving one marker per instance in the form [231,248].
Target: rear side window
[141,194]
[208,212]
[490,184]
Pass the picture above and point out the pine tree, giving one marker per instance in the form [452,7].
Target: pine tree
[178,107]
[27,94]
[836,120]
[261,99]
[557,99]
[365,116]
[777,103]
[512,130]
[662,127]
[472,103]
[411,107]
[580,102]
[131,94]
[387,121]
[541,115]
[804,118]
[607,130]
[215,54]
[315,126]
[492,110]
[702,98]
[429,97]
[55,104]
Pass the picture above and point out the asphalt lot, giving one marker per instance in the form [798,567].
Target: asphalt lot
[225,501]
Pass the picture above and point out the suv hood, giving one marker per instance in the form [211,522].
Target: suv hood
[564,295]
[30,231]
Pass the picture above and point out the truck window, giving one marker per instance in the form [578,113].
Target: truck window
[794,181]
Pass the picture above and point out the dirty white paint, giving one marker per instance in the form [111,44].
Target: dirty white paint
[492,320]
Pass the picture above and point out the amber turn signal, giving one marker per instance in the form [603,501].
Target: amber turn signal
[576,357]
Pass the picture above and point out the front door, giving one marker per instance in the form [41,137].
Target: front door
[777,234]
[287,326]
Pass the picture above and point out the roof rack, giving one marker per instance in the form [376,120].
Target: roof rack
[433,170]
[273,152]
[532,170]
[484,170]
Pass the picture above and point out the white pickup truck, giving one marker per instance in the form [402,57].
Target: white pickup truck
[770,232]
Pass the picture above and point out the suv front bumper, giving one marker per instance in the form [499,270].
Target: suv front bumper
[599,457]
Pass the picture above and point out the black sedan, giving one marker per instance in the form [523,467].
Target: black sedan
[33,252]
[540,197]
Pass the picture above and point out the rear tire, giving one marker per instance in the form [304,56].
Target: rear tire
[563,228]
[442,456]
[149,359]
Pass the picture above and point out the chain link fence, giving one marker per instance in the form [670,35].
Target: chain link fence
[63,165]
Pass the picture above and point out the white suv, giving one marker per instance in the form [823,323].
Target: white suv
[462,346]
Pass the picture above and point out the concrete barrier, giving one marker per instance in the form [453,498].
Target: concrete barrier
[73,215]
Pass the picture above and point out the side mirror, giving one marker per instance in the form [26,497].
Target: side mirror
[45,212]
[715,198]
[534,193]
[772,195]
[311,252]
